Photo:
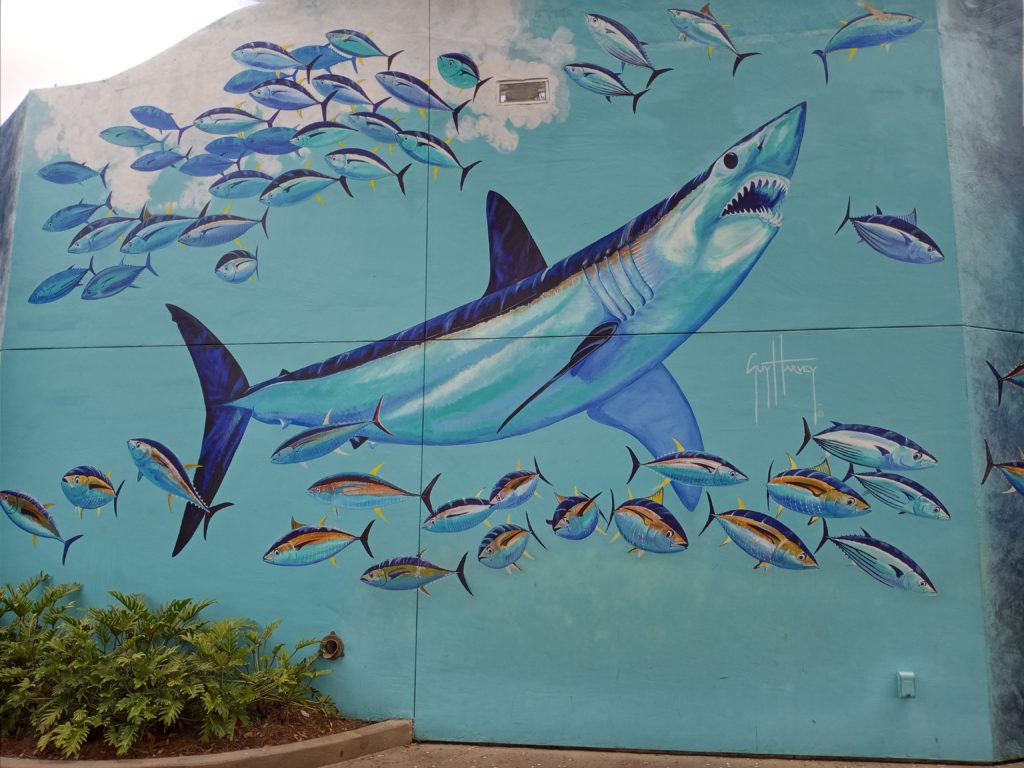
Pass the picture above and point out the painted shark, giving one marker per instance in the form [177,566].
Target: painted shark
[632,297]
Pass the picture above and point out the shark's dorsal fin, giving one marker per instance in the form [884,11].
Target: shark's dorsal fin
[514,254]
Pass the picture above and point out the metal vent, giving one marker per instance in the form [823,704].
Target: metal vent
[523,91]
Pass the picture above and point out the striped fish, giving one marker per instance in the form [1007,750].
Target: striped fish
[690,468]
[516,488]
[648,526]
[355,490]
[403,573]
[1013,471]
[31,516]
[1014,376]
[88,488]
[762,537]
[575,517]
[902,493]
[309,544]
[869,446]
[458,515]
[814,492]
[158,464]
[504,545]
[320,441]
[881,561]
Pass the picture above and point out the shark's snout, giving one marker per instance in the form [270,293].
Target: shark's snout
[778,142]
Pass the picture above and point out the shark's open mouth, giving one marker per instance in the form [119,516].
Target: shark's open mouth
[761,196]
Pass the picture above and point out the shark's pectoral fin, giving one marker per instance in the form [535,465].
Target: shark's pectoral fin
[596,339]
[654,410]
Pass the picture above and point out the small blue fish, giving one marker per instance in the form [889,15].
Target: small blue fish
[207,231]
[457,516]
[247,79]
[357,46]
[158,119]
[31,516]
[206,164]
[227,120]
[356,490]
[323,133]
[282,93]
[156,232]
[764,538]
[344,90]
[648,526]
[59,285]
[88,488]
[157,161]
[690,468]
[240,184]
[602,81]
[618,41]
[1014,376]
[430,150]
[363,165]
[902,493]
[158,464]
[128,136]
[237,266]
[876,27]
[112,280]
[703,28]
[375,125]
[516,488]
[814,492]
[575,517]
[271,141]
[230,147]
[98,234]
[74,215]
[1013,471]
[293,187]
[460,70]
[504,545]
[263,55]
[318,57]
[881,561]
[897,237]
[868,446]
[320,441]
[411,573]
[416,93]
[67,172]
[310,544]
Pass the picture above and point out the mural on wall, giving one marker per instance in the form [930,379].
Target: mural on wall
[875,28]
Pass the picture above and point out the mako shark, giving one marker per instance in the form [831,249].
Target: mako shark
[632,297]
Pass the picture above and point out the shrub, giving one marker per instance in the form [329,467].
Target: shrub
[126,670]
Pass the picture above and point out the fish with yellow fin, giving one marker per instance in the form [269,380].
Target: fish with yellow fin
[761,536]
[309,544]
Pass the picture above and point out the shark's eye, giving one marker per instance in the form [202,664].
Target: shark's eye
[730,160]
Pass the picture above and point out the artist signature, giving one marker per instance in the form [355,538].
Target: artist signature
[770,377]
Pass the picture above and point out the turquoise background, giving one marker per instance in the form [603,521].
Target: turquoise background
[588,646]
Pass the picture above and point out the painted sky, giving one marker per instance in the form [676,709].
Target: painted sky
[63,42]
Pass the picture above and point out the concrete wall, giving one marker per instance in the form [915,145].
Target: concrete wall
[622,309]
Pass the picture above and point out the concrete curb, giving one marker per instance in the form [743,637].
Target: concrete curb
[313,753]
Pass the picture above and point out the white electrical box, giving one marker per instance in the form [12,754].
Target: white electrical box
[906,685]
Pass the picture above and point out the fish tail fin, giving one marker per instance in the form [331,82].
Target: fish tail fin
[807,436]
[109,203]
[263,222]
[529,527]
[391,58]
[208,516]
[465,172]
[377,104]
[636,464]
[479,85]
[999,381]
[117,493]
[659,72]
[540,474]
[846,216]
[309,69]
[221,380]
[91,260]
[401,177]
[739,60]
[636,98]
[989,464]
[767,496]
[426,493]
[824,535]
[67,546]
[325,102]
[149,264]
[103,175]
[460,569]
[181,132]
[344,185]
[456,111]
[824,62]
[711,515]
[849,474]
[376,417]
[364,538]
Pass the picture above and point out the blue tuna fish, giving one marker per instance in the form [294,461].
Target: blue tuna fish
[75,215]
[902,493]
[428,149]
[238,266]
[375,125]
[575,517]
[363,165]
[112,280]
[416,93]
[31,516]
[764,538]
[157,161]
[158,464]
[293,187]
[460,70]
[230,147]
[868,446]
[356,490]
[98,234]
[357,46]
[271,141]
[224,121]
[881,561]
[648,526]
[285,94]
[206,164]
[503,546]
[263,55]
[897,237]
[703,28]
[208,231]
[1013,471]
[327,438]
[697,468]
[1014,376]
[240,184]
[68,172]
[247,79]
[344,90]
[515,488]
[323,133]
[814,492]
[403,573]
[156,232]
[159,119]
[88,488]
[618,41]
[717,226]
[318,57]
[602,81]
[458,515]
[59,285]
[876,27]
[128,136]
[310,544]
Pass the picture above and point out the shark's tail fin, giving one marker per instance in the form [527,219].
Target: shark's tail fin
[739,60]
[222,381]
[636,98]
[460,569]
[989,464]
[655,73]
[479,85]
[999,381]
[846,216]
[824,61]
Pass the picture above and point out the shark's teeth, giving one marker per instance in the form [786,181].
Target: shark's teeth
[761,197]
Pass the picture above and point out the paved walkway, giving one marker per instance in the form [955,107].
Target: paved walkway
[464,756]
